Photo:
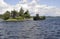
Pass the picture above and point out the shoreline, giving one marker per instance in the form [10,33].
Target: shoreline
[17,20]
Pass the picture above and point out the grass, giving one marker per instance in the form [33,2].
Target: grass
[16,19]
[11,20]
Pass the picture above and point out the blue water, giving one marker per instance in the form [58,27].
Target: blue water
[43,29]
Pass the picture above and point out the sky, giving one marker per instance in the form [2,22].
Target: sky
[41,7]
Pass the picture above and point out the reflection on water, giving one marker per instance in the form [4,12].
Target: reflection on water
[46,29]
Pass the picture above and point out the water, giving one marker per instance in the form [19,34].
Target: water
[45,29]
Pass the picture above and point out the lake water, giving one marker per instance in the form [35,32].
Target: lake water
[45,29]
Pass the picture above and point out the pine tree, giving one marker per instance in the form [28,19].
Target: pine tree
[6,15]
[26,14]
[13,14]
[21,12]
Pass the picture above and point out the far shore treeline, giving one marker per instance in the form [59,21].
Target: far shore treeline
[21,15]
[16,15]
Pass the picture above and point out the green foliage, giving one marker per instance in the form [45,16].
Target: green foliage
[19,18]
[1,15]
[14,14]
[26,14]
[37,17]
[6,15]
[42,17]
[11,19]
[21,12]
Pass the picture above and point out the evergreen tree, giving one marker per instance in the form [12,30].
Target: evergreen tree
[21,12]
[37,15]
[14,14]
[26,14]
[6,15]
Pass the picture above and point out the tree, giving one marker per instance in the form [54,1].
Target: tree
[6,15]
[37,17]
[1,15]
[14,13]
[26,14]
[21,12]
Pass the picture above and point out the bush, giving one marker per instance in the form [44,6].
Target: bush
[37,17]
[42,17]
[6,15]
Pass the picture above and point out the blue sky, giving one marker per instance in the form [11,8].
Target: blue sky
[47,2]
[12,2]
[50,2]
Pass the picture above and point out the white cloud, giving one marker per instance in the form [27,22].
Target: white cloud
[4,7]
[32,6]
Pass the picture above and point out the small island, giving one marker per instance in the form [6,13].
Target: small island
[37,17]
[20,16]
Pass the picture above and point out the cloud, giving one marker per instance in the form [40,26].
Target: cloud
[4,7]
[34,7]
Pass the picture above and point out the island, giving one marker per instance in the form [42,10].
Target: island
[20,15]
[37,17]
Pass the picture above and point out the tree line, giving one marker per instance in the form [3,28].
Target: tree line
[16,15]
